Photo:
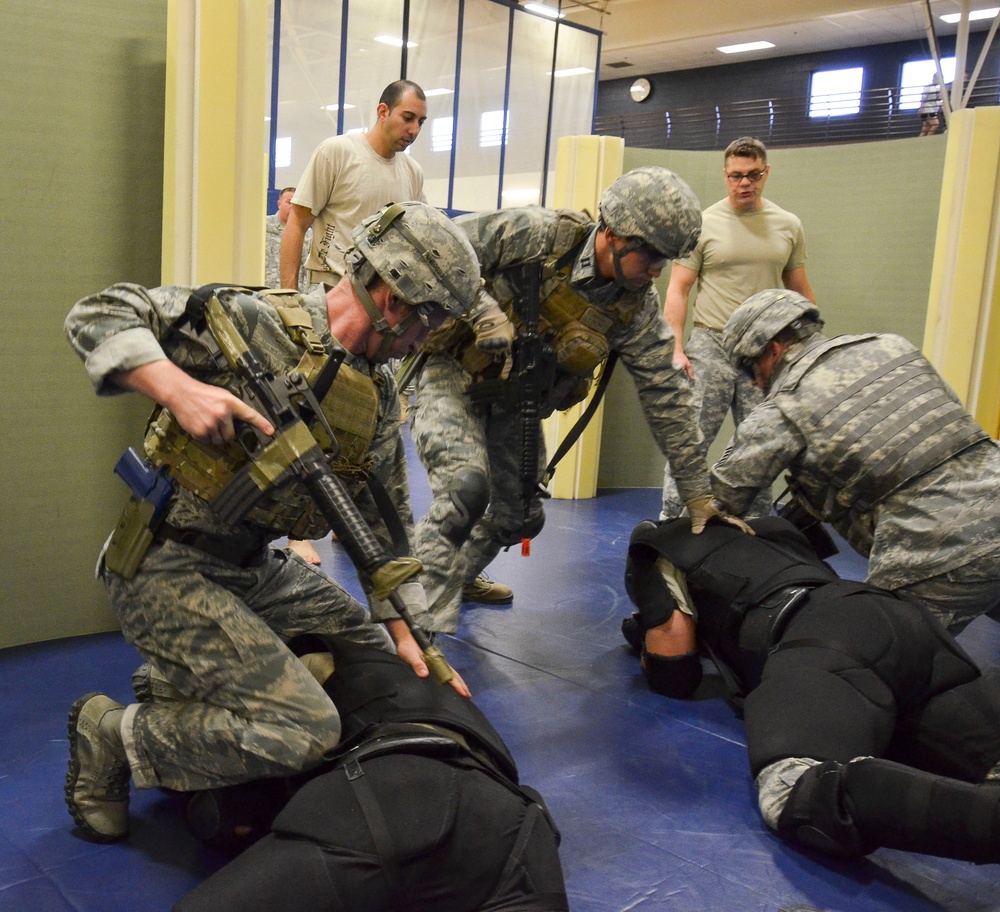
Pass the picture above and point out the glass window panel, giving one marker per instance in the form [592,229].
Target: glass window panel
[835,93]
[372,63]
[431,64]
[308,81]
[915,75]
[573,95]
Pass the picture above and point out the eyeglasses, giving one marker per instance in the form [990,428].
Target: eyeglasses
[734,177]
[651,255]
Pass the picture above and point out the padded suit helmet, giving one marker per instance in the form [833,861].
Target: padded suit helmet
[761,317]
[420,254]
[654,205]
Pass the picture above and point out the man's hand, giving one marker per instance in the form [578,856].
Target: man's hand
[706,507]
[206,412]
[494,331]
[682,363]
[408,650]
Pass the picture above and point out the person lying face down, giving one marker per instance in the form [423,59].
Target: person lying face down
[867,724]
[419,808]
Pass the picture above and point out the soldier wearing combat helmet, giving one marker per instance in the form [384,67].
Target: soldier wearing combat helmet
[876,444]
[595,297]
[208,602]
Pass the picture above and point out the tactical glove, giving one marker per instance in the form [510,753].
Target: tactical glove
[706,507]
[494,331]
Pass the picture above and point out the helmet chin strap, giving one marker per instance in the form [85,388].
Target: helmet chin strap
[379,323]
[617,256]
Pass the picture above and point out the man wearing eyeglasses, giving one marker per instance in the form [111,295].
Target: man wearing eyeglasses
[747,244]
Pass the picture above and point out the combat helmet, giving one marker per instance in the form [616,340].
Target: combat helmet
[655,207]
[761,317]
[420,254]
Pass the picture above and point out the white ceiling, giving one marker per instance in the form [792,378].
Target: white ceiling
[657,36]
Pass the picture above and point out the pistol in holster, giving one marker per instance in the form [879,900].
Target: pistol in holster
[151,493]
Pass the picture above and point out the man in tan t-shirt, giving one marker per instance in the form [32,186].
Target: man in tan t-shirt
[347,179]
[747,244]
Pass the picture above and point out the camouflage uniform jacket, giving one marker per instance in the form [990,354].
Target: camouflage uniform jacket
[927,525]
[127,326]
[645,344]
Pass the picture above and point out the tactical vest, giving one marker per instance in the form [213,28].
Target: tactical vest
[876,416]
[576,329]
[729,574]
[371,688]
[350,406]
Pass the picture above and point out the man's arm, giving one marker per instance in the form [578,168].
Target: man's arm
[765,444]
[675,310]
[206,412]
[796,280]
[300,219]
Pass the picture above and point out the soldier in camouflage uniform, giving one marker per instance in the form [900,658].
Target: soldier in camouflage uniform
[210,604]
[597,297]
[274,226]
[877,445]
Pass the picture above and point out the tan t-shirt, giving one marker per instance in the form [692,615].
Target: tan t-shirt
[345,181]
[740,253]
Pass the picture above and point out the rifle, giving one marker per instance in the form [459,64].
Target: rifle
[293,450]
[531,356]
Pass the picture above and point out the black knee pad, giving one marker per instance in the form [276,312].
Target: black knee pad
[817,815]
[470,495]
[672,676]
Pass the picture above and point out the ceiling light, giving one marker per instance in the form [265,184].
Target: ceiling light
[749,46]
[394,41]
[990,13]
[336,107]
[544,10]
[430,93]
[572,71]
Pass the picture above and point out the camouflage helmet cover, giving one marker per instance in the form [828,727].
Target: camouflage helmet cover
[761,317]
[653,204]
[420,254]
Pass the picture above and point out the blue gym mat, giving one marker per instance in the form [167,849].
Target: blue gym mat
[653,796]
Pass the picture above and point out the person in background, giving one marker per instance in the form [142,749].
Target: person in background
[747,244]
[348,178]
[274,225]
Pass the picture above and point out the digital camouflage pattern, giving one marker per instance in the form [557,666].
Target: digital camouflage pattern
[656,205]
[718,387]
[450,434]
[937,537]
[273,228]
[212,629]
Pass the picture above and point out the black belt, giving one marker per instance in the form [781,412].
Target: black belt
[239,553]
[763,625]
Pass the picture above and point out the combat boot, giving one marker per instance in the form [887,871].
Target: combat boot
[98,776]
[487,592]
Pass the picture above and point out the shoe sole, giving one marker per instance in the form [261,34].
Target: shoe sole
[73,775]
[487,601]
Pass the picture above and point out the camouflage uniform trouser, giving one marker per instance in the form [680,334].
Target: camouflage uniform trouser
[718,387]
[216,632]
[958,597]
[451,436]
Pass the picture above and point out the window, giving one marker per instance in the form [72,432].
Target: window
[282,151]
[491,129]
[441,133]
[919,73]
[835,93]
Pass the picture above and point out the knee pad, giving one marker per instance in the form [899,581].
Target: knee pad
[470,495]
[817,814]
[672,676]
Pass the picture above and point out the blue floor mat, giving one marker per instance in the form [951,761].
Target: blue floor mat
[653,796]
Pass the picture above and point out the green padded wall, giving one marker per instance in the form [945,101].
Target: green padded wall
[82,148]
[870,213]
